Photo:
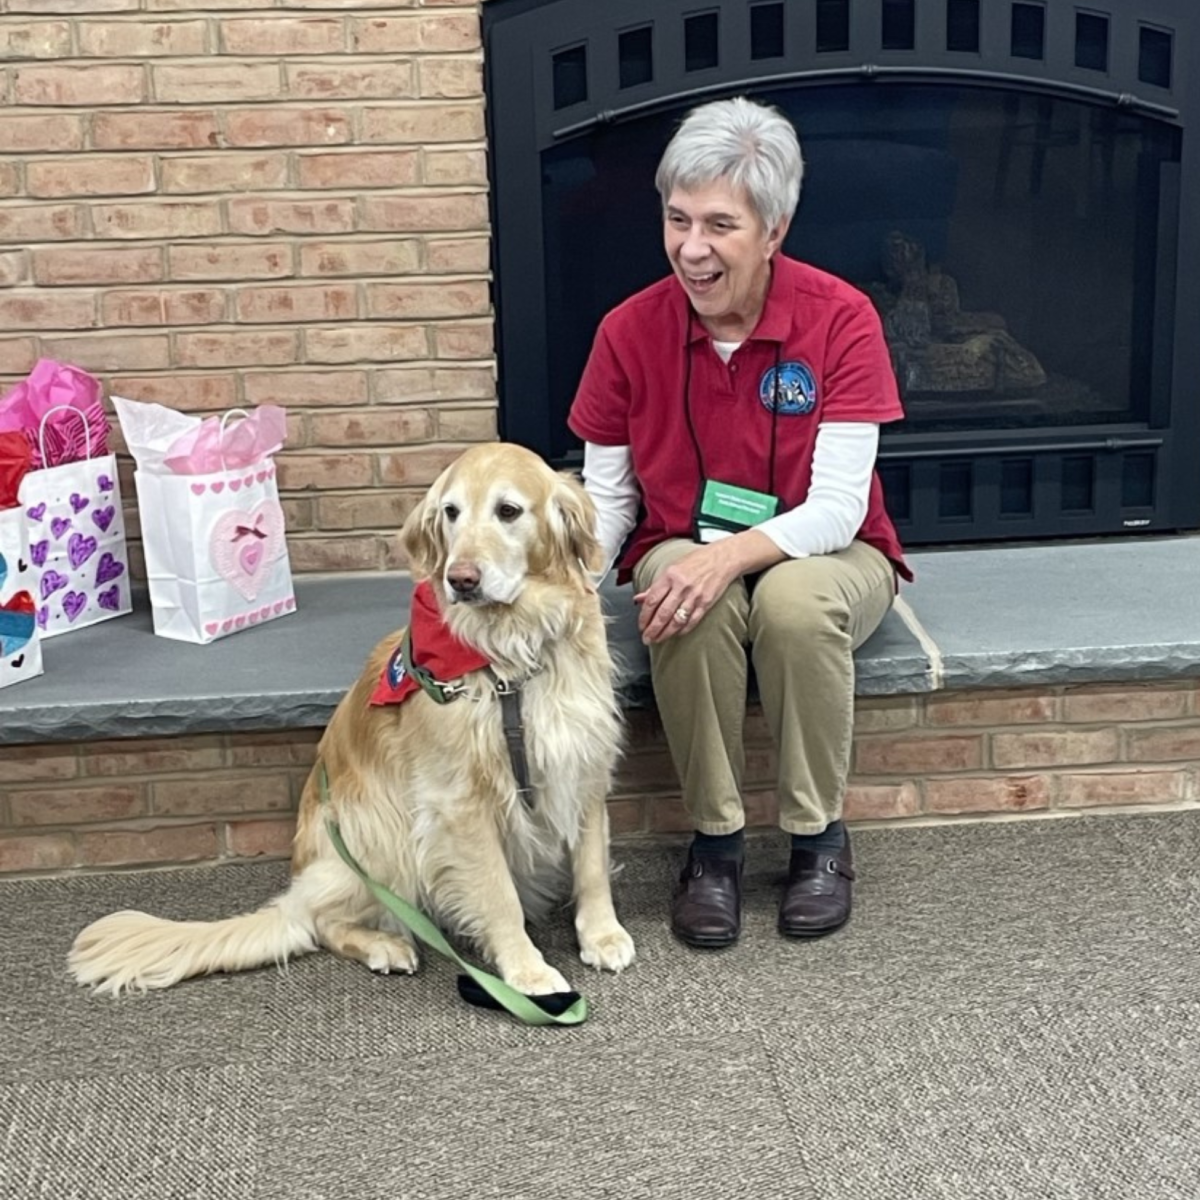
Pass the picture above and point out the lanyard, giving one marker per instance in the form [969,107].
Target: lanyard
[687,407]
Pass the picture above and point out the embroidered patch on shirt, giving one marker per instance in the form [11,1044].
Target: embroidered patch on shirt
[797,389]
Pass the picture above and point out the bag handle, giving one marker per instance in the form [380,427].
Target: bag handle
[87,433]
[233,412]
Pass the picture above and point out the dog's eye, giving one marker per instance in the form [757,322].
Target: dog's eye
[508,512]
[451,511]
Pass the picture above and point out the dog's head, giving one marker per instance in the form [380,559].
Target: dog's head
[496,518]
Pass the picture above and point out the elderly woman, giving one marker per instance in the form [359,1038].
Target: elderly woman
[730,414]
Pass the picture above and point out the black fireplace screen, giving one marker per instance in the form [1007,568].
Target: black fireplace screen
[1016,186]
[1010,242]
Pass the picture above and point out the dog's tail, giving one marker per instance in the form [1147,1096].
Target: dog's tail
[133,951]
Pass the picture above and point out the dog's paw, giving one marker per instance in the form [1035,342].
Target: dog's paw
[538,981]
[387,955]
[607,949]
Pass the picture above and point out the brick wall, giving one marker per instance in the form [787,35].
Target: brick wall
[946,757]
[253,201]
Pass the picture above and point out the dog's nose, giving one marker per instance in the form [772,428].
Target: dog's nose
[463,577]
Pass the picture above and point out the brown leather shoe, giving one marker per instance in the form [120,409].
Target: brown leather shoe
[706,910]
[816,900]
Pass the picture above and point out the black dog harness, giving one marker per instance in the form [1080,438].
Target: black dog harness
[443,691]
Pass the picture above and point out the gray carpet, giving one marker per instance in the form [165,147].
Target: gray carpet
[1012,1015]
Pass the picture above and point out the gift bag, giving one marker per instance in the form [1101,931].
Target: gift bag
[216,556]
[20,646]
[76,536]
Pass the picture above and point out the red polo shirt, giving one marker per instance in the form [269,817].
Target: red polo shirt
[833,364]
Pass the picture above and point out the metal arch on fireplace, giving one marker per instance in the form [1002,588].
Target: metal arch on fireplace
[870,72]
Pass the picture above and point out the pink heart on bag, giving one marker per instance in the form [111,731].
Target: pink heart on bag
[235,485]
[238,622]
[253,618]
[264,613]
[217,487]
[211,628]
[250,557]
[261,476]
[277,607]
[248,480]
[226,626]
[289,603]
[198,488]
[245,543]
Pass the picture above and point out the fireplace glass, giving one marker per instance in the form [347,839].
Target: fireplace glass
[1017,245]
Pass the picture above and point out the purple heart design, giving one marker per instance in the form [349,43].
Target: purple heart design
[43,615]
[59,526]
[80,549]
[109,599]
[104,517]
[104,483]
[78,502]
[52,582]
[73,604]
[37,512]
[38,552]
[107,569]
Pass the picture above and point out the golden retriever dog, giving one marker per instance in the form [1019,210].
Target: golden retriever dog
[425,792]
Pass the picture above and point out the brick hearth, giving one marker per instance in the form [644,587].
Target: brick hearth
[949,756]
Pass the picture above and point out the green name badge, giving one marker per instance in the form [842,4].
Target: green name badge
[724,509]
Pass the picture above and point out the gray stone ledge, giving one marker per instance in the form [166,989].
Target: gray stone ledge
[1055,613]
[117,679]
[999,617]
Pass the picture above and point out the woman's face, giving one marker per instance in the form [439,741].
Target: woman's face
[721,254]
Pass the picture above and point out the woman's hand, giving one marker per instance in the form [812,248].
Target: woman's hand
[678,599]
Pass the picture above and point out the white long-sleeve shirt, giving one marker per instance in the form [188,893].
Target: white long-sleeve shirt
[832,513]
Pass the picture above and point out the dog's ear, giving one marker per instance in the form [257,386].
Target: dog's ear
[573,523]
[422,536]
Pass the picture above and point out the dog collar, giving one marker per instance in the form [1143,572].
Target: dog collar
[442,691]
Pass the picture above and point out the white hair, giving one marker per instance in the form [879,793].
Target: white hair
[751,145]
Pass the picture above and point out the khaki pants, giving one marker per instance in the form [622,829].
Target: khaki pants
[802,619]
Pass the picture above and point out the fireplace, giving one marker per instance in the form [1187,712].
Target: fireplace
[1015,184]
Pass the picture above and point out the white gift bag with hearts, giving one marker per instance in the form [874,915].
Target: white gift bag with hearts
[20,645]
[216,557]
[77,542]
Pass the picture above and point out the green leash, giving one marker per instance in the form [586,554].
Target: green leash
[523,1007]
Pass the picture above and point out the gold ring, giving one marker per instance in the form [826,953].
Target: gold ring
[682,615]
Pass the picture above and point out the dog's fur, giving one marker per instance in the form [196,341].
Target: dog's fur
[425,793]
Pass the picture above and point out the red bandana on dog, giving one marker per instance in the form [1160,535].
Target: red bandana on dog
[433,648]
